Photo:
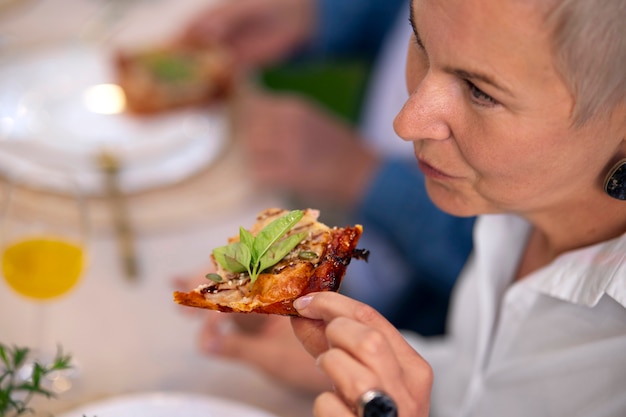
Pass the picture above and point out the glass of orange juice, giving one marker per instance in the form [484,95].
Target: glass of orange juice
[43,237]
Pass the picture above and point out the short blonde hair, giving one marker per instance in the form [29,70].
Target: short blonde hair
[589,43]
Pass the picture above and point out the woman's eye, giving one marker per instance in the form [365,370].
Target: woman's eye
[480,96]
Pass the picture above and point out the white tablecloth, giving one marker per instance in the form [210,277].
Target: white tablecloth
[130,337]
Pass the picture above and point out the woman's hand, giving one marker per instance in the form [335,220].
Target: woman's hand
[258,32]
[265,342]
[359,350]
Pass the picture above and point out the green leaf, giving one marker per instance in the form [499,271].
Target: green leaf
[61,362]
[279,250]
[247,239]
[307,254]
[15,393]
[253,254]
[38,371]
[274,231]
[19,356]
[234,257]
[3,355]
[214,277]
[169,67]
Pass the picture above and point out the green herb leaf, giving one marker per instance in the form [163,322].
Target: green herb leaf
[307,254]
[3,356]
[214,277]
[170,67]
[247,239]
[234,257]
[19,356]
[279,250]
[275,230]
[254,254]
[16,393]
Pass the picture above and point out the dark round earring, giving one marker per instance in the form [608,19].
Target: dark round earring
[615,183]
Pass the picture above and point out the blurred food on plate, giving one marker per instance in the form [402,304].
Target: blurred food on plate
[160,78]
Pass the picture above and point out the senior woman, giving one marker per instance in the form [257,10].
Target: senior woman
[517,113]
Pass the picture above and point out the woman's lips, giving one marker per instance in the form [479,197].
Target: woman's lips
[431,171]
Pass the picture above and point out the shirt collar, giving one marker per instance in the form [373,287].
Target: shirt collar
[582,276]
[585,275]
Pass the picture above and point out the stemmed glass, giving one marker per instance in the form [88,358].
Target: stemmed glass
[43,237]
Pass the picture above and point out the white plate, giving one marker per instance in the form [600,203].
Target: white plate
[47,123]
[166,405]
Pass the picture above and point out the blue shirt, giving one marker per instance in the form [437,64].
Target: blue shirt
[355,26]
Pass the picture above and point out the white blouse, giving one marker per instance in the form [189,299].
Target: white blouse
[552,344]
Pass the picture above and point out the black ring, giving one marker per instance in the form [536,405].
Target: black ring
[376,403]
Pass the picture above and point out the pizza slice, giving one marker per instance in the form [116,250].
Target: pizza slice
[286,254]
[163,78]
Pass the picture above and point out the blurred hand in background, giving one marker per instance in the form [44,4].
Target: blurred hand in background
[258,32]
[296,146]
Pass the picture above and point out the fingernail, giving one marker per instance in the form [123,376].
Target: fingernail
[302,302]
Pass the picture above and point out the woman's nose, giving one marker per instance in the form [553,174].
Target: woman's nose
[425,113]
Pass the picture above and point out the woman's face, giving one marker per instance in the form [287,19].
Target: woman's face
[489,116]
